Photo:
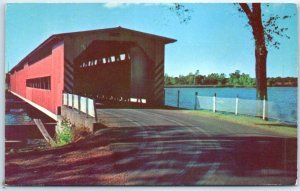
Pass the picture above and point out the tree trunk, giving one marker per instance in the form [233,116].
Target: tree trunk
[261,53]
[261,79]
[255,21]
[261,71]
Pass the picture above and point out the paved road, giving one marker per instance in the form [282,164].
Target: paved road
[161,147]
[178,148]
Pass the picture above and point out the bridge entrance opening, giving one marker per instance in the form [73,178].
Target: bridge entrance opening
[103,71]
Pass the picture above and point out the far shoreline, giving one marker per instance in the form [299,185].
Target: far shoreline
[215,86]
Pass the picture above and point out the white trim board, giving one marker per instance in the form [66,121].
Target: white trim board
[42,109]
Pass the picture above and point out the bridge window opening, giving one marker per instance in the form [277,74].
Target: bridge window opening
[104,60]
[122,56]
[113,58]
[108,60]
[48,83]
[96,62]
[39,83]
[43,83]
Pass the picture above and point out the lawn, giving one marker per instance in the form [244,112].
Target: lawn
[270,125]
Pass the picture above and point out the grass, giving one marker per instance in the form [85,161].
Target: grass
[65,136]
[272,125]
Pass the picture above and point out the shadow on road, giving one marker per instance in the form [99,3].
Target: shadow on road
[160,155]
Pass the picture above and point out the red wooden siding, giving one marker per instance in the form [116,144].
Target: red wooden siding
[51,65]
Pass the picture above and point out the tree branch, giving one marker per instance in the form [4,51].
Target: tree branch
[246,9]
[256,9]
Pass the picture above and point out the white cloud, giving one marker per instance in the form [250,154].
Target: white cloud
[113,5]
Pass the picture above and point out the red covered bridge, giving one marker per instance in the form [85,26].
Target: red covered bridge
[115,62]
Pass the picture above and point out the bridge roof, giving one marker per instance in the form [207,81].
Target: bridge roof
[54,39]
[121,29]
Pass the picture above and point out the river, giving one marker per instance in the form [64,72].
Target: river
[17,112]
[284,98]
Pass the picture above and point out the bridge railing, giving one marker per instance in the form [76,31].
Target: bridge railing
[81,104]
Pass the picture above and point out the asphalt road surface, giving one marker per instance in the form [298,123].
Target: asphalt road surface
[162,147]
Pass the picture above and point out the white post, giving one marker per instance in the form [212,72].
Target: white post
[87,106]
[79,106]
[72,101]
[214,102]
[67,99]
[264,109]
[236,104]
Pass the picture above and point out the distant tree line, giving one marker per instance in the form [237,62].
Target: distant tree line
[235,79]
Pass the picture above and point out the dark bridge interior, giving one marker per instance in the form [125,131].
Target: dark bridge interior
[103,71]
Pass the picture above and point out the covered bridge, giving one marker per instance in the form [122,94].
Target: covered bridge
[117,63]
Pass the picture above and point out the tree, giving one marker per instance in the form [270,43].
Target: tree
[234,78]
[264,33]
[190,78]
[222,79]
[200,79]
[168,80]
[237,79]
[195,75]
[261,52]
[246,80]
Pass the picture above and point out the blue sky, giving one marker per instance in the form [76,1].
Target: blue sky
[215,40]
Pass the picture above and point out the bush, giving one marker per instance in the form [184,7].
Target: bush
[69,133]
[65,136]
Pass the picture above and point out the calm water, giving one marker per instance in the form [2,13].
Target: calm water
[22,114]
[17,116]
[285,98]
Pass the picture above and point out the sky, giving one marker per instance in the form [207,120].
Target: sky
[215,40]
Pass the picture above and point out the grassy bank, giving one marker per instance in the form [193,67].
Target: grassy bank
[272,125]
[217,86]
[206,86]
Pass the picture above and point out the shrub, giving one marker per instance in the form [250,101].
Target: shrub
[69,133]
[65,136]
